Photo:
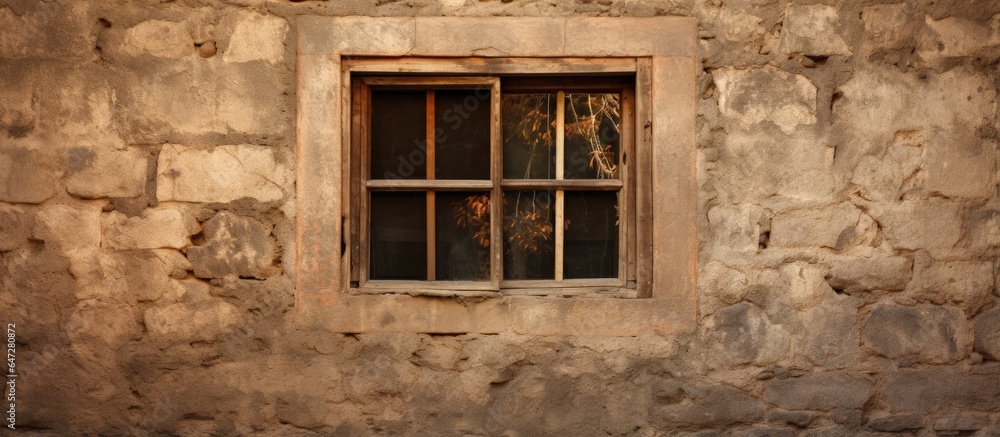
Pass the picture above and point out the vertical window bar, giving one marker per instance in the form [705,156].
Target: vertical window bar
[560,170]
[496,199]
[431,207]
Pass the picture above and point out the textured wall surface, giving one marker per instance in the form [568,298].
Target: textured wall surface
[849,234]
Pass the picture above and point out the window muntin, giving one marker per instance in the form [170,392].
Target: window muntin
[556,162]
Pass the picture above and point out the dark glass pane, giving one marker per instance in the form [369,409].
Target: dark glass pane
[592,136]
[529,235]
[399,134]
[463,236]
[529,138]
[398,236]
[590,249]
[462,134]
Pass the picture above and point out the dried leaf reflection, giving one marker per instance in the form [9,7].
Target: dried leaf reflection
[529,122]
[527,228]
[474,212]
[529,234]
[594,121]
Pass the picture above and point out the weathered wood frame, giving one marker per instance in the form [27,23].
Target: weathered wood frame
[362,184]
[661,51]
[358,209]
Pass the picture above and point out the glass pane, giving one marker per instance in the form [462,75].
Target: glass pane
[528,234]
[462,134]
[592,136]
[529,136]
[463,236]
[591,236]
[399,134]
[398,236]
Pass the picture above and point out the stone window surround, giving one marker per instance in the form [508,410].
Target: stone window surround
[666,45]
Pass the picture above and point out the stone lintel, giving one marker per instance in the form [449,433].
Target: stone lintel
[497,36]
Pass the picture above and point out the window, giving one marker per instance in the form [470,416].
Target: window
[432,153]
[529,64]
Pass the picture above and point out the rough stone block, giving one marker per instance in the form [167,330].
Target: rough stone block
[255,37]
[113,325]
[95,174]
[886,26]
[742,334]
[69,104]
[869,274]
[128,276]
[987,329]
[896,422]
[768,431]
[954,37]
[807,286]
[766,94]
[756,167]
[848,419]
[154,229]
[163,39]
[812,31]
[19,114]
[913,225]
[737,228]
[984,229]
[958,165]
[736,25]
[968,283]
[235,245]
[69,227]
[937,388]
[930,163]
[201,98]
[835,227]
[930,333]
[222,174]
[800,419]
[46,30]
[714,406]
[26,176]
[15,227]
[961,422]
[879,106]
[882,179]
[301,411]
[722,282]
[819,391]
[186,323]
[827,335]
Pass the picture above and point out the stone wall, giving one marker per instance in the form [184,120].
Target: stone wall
[849,234]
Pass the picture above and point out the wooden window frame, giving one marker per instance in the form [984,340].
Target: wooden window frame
[661,51]
[623,285]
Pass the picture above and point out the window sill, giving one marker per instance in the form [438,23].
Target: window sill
[532,315]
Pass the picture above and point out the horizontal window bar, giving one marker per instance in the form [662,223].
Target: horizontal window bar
[565,283]
[435,288]
[562,184]
[424,185]
[602,292]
